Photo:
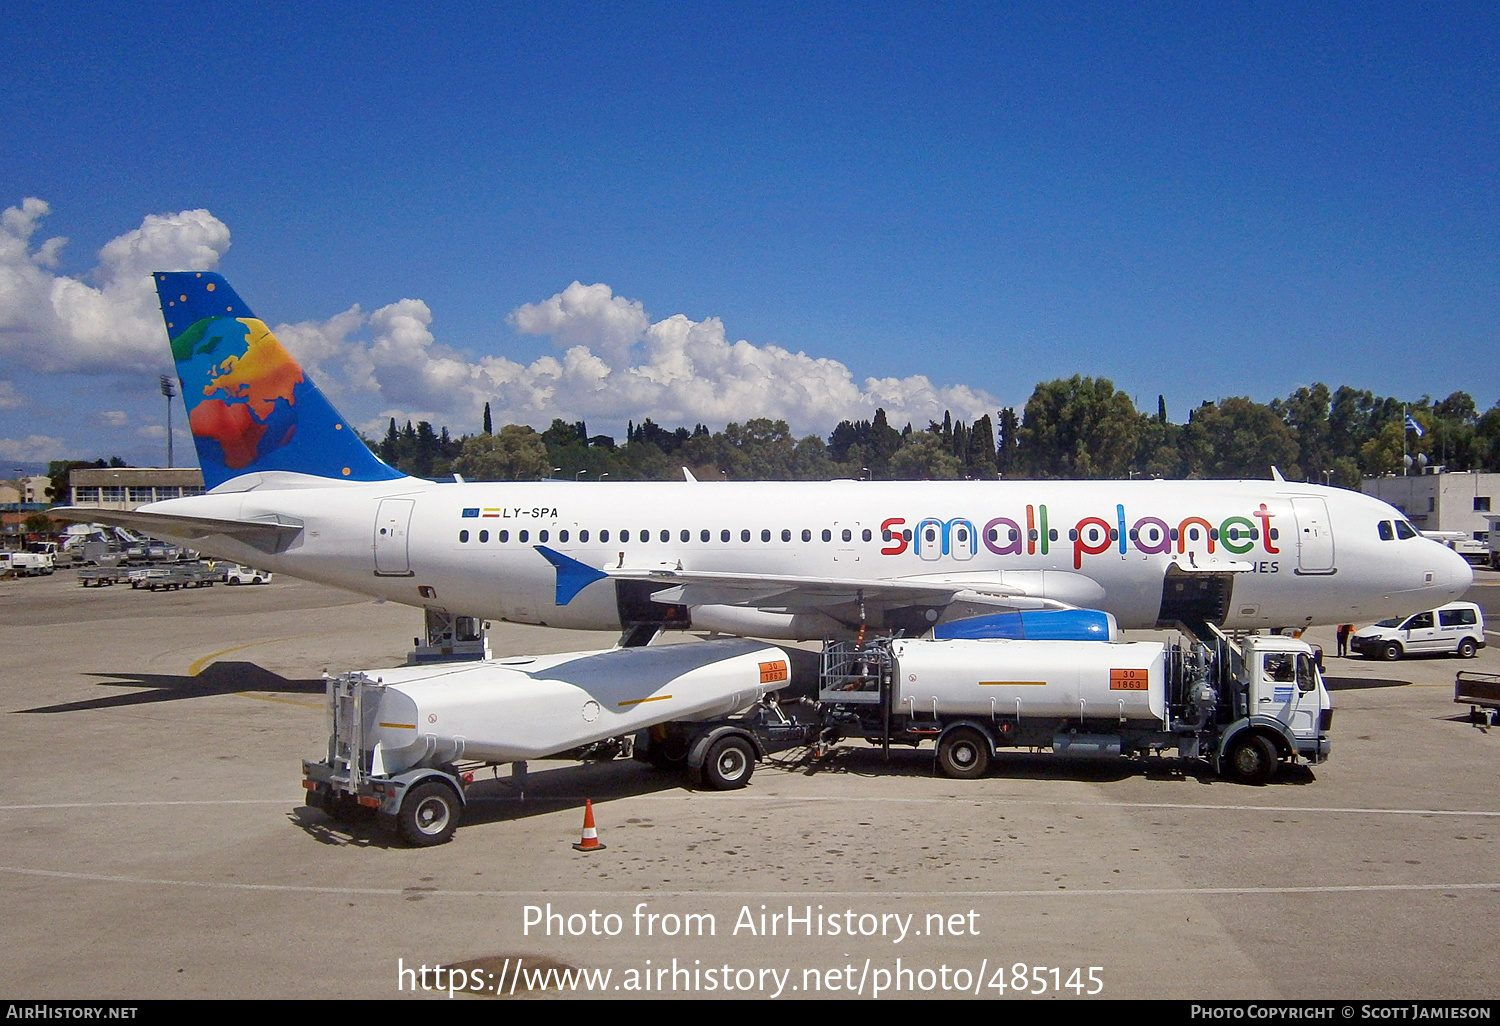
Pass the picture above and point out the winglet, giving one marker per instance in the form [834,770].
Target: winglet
[1276,473]
[572,576]
[687,475]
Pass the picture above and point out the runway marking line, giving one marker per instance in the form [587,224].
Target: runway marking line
[741,799]
[1128,892]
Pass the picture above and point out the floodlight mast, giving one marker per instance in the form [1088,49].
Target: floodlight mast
[169,390]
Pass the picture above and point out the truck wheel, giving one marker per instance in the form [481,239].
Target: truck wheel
[429,815]
[1391,652]
[964,753]
[1467,649]
[729,765]
[1251,759]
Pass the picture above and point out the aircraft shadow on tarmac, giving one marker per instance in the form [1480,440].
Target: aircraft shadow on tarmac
[221,678]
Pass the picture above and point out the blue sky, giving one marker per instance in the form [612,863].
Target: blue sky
[955,200]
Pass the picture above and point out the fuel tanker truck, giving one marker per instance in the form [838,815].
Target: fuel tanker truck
[403,742]
[1244,707]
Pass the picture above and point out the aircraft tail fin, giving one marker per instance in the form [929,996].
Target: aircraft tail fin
[250,406]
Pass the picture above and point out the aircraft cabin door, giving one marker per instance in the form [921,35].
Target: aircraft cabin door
[1314,536]
[392,528]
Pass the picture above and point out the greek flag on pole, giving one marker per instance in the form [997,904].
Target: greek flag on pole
[1412,425]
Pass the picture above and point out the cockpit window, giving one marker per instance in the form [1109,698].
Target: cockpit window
[1405,530]
[1387,532]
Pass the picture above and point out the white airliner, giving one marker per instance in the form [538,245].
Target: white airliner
[294,490]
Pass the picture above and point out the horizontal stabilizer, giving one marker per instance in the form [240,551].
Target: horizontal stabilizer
[266,536]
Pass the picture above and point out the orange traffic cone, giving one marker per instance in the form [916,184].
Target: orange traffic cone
[590,840]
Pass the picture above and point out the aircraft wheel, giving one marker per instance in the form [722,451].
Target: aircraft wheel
[964,753]
[1467,649]
[1251,759]
[1391,652]
[429,815]
[730,763]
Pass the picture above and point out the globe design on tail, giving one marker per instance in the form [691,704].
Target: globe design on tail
[244,384]
[250,406]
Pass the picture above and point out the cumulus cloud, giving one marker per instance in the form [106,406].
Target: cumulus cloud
[107,320]
[610,362]
[616,365]
[586,315]
[33,448]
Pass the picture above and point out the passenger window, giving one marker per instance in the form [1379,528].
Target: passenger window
[865,534]
[503,536]
[521,536]
[686,535]
[703,535]
[745,535]
[827,534]
[786,535]
[807,535]
[463,536]
[723,536]
[541,536]
[603,536]
[484,536]
[666,536]
[765,535]
[848,535]
[583,536]
[562,536]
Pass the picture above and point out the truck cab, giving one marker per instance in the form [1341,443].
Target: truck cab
[1286,709]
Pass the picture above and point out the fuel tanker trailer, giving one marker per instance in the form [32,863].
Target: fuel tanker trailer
[1246,708]
[403,742]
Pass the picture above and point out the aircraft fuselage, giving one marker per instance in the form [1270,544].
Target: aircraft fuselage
[1244,554]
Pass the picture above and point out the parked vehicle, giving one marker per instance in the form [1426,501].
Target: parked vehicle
[1457,628]
[237,574]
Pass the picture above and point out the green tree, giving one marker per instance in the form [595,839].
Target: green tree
[1078,428]
[516,453]
[1239,438]
[925,457]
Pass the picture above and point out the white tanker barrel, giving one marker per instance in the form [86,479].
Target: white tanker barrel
[1029,679]
[509,710]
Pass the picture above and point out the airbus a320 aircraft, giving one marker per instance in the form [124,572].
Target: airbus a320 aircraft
[292,488]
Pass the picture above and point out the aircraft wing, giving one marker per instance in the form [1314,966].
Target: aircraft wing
[264,535]
[792,592]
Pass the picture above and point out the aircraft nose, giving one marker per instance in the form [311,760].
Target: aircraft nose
[1460,573]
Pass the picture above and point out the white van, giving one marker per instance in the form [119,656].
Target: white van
[1457,627]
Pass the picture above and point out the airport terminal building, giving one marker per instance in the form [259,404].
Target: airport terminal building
[125,488]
